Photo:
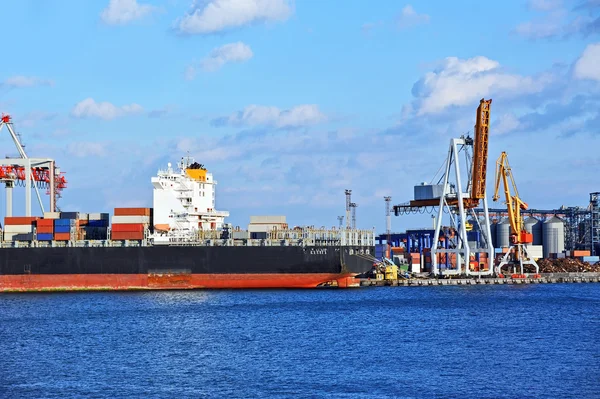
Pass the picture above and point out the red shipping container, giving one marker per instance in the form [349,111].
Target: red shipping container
[126,235]
[132,211]
[45,223]
[82,222]
[128,227]
[45,229]
[62,236]
[12,220]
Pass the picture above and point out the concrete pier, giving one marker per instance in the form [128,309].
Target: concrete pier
[550,278]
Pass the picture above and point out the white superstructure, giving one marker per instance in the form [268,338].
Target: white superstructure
[184,200]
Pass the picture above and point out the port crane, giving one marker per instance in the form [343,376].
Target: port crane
[459,200]
[27,171]
[519,237]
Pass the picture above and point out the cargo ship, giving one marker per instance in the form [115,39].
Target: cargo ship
[182,242]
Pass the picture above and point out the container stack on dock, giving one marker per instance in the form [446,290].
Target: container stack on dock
[19,228]
[131,223]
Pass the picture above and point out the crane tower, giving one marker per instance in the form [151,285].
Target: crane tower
[348,201]
[388,218]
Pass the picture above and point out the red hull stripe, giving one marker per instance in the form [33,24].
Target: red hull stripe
[92,282]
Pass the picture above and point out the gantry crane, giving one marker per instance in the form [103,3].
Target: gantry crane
[457,200]
[519,237]
[36,172]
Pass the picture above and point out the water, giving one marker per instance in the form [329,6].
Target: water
[522,341]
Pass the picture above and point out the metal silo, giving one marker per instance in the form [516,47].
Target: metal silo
[503,234]
[553,236]
[534,226]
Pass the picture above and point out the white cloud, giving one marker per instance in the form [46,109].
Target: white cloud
[544,5]
[539,30]
[460,82]
[89,108]
[505,124]
[259,115]
[26,81]
[232,52]
[120,12]
[219,15]
[409,17]
[86,149]
[587,66]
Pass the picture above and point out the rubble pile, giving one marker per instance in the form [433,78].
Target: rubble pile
[567,265]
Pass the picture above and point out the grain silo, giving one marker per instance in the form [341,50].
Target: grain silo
[553,236]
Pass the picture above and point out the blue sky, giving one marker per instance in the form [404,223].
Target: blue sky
[289,103]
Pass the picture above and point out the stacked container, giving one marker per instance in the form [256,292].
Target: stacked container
[45,230]
[131,223]
[64,228]
[97,226]
[19,228]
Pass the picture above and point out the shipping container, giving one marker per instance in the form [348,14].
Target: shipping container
[258,235]
[97,223]
[44,223]
[590,259]
[62,229]
[64,222]
[18,236]
[62,236]
[128,227]
[45,229]
[44,236]
[69,215]
[51,215]
[126,235]
[132,212]
[98,216]
[267,220]
[96,233]
[240,235]
[578,253]
[19,220]
[131,219]
[18,228]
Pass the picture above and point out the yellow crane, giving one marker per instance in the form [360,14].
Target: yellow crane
[519,237]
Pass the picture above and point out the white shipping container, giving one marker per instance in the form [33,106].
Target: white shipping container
[131,219]
[18,228]
[264,228]
[97,216]
[415,268]
[51,215]
[535,251]
[267,219]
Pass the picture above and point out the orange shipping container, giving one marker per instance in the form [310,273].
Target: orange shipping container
[126,235]
[12,220]
[128,227]
[132,211]
[45,229]
[578,253]
[44,223]
[397,250]
[62,236]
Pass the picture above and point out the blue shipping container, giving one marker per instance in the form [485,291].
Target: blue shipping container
[44,236]
[64,222]
[62,229]
[591,259]
[98,223]
[69,215]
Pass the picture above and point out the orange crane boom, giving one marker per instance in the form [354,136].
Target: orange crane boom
[480,150]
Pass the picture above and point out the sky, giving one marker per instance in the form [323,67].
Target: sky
[289,103]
